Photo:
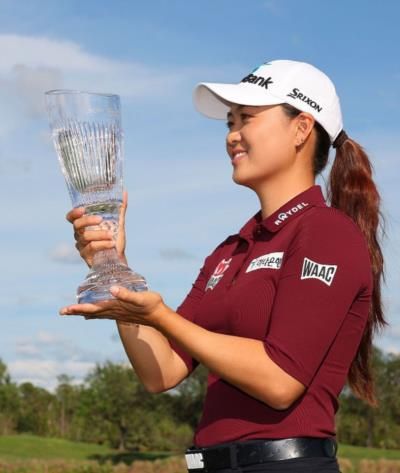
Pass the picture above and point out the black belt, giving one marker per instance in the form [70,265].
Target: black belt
[236,454]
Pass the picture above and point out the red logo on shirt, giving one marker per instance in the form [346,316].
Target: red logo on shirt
[222,267]
[219,271]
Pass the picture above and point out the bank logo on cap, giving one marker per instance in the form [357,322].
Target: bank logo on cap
[258,80]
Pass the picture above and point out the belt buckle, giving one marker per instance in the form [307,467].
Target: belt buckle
[195,460]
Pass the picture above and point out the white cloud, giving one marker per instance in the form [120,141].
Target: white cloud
[53,345]
[42,369]
[48,338]
[50,58]
[44,372]
[31,65]
[28,84]
[45,355]
[65,253]
[28,349]
[44,52]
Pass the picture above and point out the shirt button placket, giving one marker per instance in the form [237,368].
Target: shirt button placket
[250,243]
[257,230]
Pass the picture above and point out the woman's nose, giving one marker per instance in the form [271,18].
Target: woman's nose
[233,137]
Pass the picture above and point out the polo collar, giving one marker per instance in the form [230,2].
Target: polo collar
[299,204]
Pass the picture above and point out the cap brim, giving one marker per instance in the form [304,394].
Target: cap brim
[214,99]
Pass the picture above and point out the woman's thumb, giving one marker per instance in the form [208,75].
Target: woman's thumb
[125,295]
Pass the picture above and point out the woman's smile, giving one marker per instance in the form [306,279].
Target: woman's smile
[238,156]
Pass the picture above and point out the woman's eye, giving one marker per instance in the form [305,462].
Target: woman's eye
[243,118]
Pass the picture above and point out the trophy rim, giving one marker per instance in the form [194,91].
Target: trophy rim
[78,92]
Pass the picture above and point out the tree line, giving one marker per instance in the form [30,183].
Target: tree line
[112,407]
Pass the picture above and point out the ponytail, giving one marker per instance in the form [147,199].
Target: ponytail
[352,190]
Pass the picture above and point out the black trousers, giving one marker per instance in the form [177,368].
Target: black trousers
[292,465]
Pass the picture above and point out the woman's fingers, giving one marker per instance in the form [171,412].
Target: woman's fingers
[127,304]
[121,231]
[100,308]
[112,309]
[87,251]
[74,214]
[86,221]
[79,309]
[93,235]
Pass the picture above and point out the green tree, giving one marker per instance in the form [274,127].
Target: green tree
[36,412]
[114,401]
[363,425]
[188,403]
[116,409]
[9,401]
[67,407]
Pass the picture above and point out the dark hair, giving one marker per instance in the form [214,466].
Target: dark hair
[352,190]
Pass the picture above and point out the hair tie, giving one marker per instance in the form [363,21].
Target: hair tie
[341,138]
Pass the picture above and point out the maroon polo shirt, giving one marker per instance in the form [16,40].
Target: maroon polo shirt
[301,282]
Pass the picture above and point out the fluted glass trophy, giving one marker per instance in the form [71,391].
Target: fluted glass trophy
[88,138]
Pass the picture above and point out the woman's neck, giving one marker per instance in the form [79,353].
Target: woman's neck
[273,195]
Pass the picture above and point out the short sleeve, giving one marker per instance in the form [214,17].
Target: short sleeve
[325,269]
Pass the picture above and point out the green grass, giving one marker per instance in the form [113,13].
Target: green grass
[15,448]
[361,453]
[27,447]
[356,454]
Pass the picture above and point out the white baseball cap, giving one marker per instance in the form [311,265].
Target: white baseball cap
[281,81]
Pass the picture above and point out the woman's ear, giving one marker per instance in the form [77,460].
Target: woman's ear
[304,126]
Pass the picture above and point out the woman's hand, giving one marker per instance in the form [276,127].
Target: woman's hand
[144,307]
[89,241]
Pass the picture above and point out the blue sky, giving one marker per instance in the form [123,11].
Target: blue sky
[182,200]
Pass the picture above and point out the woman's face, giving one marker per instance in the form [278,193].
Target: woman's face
[260,143]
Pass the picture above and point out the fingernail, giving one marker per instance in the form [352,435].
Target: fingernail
[114,290]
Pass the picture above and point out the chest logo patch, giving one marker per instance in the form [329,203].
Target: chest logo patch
[219,271]
[268,261]
[314,270]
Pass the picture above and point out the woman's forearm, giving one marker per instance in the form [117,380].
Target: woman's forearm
[241,361]
[158,367]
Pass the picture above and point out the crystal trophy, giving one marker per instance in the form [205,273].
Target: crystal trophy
[87,134]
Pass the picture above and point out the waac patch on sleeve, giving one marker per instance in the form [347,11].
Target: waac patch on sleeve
[219,271]
[314,270]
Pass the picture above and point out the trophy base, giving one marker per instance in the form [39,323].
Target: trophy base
[96,287]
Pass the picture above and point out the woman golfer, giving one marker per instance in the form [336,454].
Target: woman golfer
[282,313]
